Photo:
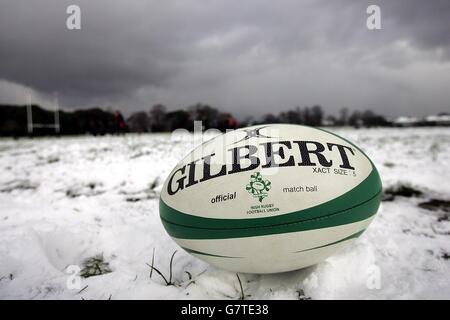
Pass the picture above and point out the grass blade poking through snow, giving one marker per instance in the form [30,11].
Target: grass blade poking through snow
[170,267]
[242,297]
[153,261]
[168,282]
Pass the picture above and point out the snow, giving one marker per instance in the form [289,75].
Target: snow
[64,200]
[442,119]
[406,120]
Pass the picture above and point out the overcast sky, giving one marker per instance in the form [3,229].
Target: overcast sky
[249,57]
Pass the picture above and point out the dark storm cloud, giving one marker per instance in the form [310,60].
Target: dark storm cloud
[113,53]
[247,56]
[426,23]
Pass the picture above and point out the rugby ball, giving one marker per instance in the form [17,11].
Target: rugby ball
[270,198]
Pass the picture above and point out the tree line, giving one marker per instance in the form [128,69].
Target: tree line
[315,116]
[97,121]
[158,119]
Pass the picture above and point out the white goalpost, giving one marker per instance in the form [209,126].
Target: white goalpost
[31,125]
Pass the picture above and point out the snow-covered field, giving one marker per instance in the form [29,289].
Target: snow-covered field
[90,204]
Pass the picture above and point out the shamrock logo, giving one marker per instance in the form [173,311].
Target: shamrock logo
[258,187]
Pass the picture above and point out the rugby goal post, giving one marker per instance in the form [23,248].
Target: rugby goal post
[31,125]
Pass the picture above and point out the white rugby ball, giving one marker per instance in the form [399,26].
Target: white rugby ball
[270,198]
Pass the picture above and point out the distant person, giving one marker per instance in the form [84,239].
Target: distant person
[232,123]
[121,126]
